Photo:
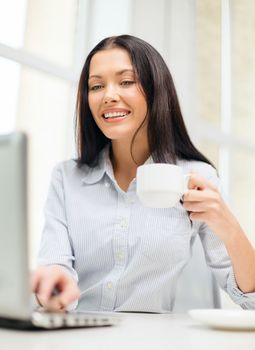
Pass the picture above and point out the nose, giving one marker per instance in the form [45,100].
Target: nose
[111,96]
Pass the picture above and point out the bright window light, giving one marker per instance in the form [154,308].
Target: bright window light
[12,22]
[12,26]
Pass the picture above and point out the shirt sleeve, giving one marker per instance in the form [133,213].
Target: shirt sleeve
[56,247]
[219,261]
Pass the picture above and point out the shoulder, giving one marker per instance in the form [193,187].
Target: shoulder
[69,169]
[71,172]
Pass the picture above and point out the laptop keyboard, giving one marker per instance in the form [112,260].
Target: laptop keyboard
[70,320]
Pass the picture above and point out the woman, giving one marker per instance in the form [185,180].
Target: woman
[99,243]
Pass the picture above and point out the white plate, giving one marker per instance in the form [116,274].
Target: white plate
[225,319]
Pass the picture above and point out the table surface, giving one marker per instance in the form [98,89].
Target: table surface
[136,331]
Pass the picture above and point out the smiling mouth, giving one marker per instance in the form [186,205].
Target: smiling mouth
[115,115]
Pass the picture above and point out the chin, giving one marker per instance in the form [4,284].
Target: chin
[115,136]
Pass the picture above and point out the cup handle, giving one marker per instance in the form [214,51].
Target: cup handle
[186,181]
[186,178]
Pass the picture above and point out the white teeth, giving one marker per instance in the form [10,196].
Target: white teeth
[115,114]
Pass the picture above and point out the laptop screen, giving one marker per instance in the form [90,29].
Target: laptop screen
[14,284]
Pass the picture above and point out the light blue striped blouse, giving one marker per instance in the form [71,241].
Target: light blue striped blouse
[126,257]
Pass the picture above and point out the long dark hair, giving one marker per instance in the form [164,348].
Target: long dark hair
[167,134]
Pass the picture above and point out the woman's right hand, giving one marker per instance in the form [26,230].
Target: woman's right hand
[54,288]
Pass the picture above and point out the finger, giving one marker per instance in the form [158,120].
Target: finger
[54,304]
[34,280]
[69,291]
[198,182]
[201,216]
[60,301]
[200,196]
[47,284]
[69,295]
[38,300]
[195,207]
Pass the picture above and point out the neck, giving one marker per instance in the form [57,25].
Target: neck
[124,165]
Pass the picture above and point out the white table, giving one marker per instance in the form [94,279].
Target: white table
[136,331]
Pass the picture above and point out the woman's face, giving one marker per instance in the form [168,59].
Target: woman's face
[116,99]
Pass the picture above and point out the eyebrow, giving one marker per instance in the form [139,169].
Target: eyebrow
[117,73]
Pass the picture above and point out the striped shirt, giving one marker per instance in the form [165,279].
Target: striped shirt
[124,256]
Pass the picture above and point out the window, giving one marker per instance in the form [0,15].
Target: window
[39,60]
[226,90]
[226,94]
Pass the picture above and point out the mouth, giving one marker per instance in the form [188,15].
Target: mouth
[115,116]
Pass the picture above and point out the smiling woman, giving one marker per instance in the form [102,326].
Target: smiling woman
[123,72]
[123,255]
[115,97]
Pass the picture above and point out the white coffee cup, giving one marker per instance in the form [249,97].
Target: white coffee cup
[160,185]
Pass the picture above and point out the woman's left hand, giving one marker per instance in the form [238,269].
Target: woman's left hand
[205,203]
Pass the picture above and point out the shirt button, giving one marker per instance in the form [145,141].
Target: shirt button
[130,200]
[120,256]
[107,184]
[123,224]
[109,285]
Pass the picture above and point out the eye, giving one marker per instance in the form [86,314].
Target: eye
[127,82]
[96,87]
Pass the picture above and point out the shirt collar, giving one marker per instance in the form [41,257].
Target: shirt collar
[149,161]
[94,175]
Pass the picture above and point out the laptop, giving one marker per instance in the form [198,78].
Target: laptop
[16,310]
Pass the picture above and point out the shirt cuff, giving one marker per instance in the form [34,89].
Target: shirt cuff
[245,300]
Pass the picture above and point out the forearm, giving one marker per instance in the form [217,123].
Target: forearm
[205,204]
[242,255]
